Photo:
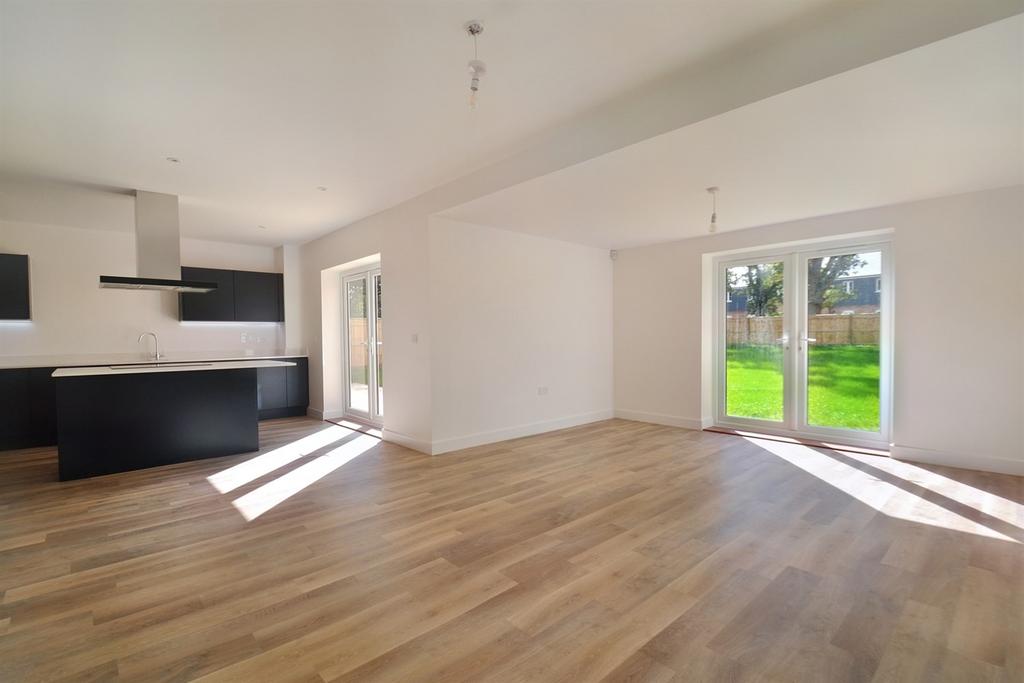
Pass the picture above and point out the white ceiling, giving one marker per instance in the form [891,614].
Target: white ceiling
[942,119]
[263,102]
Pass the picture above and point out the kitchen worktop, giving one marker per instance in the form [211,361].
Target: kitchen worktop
[164,366]
[99,359]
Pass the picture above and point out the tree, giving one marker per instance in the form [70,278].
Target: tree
[822,273]
[356,299]
[764,289]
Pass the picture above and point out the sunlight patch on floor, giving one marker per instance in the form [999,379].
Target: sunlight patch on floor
[230,479]
[992,505]
[887,498]
[358,427]
[271,494]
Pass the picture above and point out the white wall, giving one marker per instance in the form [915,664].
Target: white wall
[400,237]
[959,333]
[288,260]
[209,254]
[512,313]
[777,62]
[71,314]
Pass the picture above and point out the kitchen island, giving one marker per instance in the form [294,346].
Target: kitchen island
[116,418]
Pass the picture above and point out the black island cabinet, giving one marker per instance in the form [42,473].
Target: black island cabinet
[117,420]
[28,400]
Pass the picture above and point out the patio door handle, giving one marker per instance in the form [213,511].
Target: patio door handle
[784,340]
[808,339]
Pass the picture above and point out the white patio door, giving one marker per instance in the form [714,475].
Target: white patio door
[803,343]
[364,346]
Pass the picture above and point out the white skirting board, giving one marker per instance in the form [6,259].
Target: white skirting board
[482,438]
[325,415]
[407,441]
[968,462]
[659,419]
[387,435]
[460,442]
[897,451]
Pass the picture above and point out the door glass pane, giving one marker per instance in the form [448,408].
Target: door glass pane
[754,330]
[358,345]
[844,304]
[380,346]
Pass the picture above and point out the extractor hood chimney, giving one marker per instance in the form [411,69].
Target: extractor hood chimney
[157,248]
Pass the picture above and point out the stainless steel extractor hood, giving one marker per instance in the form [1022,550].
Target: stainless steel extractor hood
[157,248]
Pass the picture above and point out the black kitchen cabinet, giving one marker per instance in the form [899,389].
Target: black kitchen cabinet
[14,298]
[258,296]
[242,295]
[16,423]
[211,306]
[42,399]
[273,388]
[283,392]
[298,384]
[28,399]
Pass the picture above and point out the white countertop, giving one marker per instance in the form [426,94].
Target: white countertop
[96,359]
[164,366]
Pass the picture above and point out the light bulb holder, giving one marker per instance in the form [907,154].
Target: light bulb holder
[476,67]
[713,191]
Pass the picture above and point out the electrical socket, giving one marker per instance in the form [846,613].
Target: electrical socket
[542,391]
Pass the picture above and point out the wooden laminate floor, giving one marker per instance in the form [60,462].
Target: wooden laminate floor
[615,551]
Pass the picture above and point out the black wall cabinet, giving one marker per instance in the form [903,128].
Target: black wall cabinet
[241,295]
[257,296]
[14,302]
[218,305]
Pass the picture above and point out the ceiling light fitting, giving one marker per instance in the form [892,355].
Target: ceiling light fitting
[713,226]
[476,67]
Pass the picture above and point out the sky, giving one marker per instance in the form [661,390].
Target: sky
[872,265]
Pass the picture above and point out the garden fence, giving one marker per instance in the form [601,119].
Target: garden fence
[827,329]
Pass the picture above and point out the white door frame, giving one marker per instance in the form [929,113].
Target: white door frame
[882,438]
[794,421]
[373,414]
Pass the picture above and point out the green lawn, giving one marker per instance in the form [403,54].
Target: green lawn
[843,385]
